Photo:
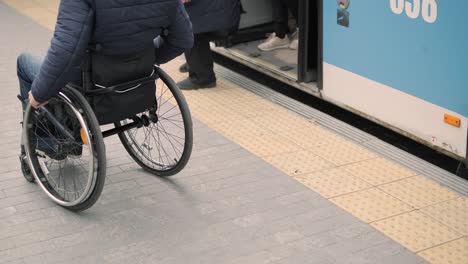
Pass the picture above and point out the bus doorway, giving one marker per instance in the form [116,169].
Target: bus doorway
[297,65]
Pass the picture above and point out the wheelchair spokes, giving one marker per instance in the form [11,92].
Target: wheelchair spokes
[160,142]
[163,143]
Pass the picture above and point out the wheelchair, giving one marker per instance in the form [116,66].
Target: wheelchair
[64,150]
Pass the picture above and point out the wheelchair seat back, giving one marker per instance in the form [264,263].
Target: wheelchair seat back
[122,86]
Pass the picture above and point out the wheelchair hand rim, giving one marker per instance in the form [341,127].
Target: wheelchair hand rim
[89,185]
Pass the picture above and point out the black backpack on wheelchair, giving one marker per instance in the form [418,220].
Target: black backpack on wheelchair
[110,81]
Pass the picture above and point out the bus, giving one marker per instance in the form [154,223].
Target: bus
[400,63]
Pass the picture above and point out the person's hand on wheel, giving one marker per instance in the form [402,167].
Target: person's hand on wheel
[186,1]
[35,103]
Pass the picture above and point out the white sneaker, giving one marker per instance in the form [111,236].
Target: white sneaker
[295,40]
[273,43]
[294,44]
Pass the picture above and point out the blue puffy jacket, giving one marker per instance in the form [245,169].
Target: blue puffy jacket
[214,15]
[121,28]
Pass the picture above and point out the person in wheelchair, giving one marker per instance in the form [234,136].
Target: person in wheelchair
[131,36]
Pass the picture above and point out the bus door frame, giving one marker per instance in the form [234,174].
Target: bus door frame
[466,153]
[310,42]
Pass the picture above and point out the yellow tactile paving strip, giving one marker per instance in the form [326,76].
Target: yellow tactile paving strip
[453,213]
[343,153]
[455,252]
[379,171]
[333,182]
[416,231]
[299,162]
[416,212]
[418,191]
[372,204]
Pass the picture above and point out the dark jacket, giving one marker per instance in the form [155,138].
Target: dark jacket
[214,15]
[121,28]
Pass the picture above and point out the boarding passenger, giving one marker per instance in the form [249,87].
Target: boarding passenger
[279,39]
[211,20]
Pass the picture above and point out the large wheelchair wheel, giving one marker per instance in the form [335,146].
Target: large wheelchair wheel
[65,150]
[162,145]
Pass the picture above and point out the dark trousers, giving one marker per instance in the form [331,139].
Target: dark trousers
[200,60]
[281,15]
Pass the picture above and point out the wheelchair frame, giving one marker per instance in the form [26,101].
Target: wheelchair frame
[120,128]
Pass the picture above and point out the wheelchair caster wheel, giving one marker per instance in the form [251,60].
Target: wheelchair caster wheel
[27,174]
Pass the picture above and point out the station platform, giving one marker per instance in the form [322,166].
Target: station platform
[270,181]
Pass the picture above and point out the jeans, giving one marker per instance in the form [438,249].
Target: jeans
[27,67]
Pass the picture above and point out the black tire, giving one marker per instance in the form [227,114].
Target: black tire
[147,163]
[74,101]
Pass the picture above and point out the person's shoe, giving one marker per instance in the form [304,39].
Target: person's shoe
[184,68]
[188,84]
[294,44]
[295,40]
[273,43]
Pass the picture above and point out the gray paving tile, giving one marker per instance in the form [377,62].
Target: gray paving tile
[388,252]
[6,244]
[16,218]
[7,211]
[13,183]
[203,151]
[10,255]
[10,201]
[8,176]
[307,257]
[18,261]
[363,241]
[19,190]
[40,202]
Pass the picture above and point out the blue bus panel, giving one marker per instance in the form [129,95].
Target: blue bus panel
[419,47]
